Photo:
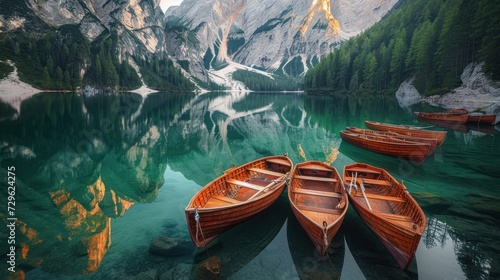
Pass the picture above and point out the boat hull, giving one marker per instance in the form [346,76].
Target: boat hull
[408,130]
[395,217]
[319,202]
[444,117]
[206,220]
[412,151]
[482,119]
[477,118]
[431,141]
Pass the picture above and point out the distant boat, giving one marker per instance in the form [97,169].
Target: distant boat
[408,130]
[477,118]
[319,201]
[387,208]
[431,141]
[454,117]
[239,194]
[382,144]
[481,119]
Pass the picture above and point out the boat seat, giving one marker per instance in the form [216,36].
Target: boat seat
[312,178]
[382,197]
[363,170]
[264,171]
[278,161]
[370,181]
[314,167]
[317,193]
[320,209]
[397,217]
[226,199]
[244,184]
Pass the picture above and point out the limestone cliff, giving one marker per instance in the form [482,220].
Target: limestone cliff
[284,36]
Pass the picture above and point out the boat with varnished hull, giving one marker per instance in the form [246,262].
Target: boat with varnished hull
[453,117]
[319,201]
[382,144]
[430,141]
[387,208]
[238,195]
[476,117]
[408,130]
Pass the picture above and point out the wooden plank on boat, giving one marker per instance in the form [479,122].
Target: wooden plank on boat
[312,178]
[278,161]
[383,197]
[371,181]
[320,209]
[264,171]
[364,170]
[244,184]
[314,167]
[397,217]
[226,199]
[317,193]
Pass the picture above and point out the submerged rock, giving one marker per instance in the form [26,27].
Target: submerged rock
[431,201]
[209,269]
[484,204]
[168,247]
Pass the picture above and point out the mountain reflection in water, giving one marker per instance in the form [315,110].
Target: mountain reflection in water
[98,178]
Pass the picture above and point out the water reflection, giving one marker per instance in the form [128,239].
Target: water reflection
[97,174]
[306,258]
[240,248]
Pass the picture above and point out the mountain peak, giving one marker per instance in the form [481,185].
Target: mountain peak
[283,37]
[321,6]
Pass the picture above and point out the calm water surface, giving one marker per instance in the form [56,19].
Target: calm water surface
[99,178]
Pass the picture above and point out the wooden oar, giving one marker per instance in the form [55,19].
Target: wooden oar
[273,182]
[364,194]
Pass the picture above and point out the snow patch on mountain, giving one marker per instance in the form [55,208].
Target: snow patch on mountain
[224,76]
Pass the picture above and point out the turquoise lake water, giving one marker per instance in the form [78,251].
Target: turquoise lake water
[99,178]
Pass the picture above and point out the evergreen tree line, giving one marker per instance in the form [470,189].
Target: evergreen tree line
[258,82]
[106,71]
[161,74]
[430,40]
[51,62]
[55,61]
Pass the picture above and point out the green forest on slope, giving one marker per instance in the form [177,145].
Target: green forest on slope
[55,61]
[431,41]
[63,59]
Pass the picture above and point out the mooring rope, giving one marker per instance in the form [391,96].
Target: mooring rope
[325,236]
[325,240]
[198,229]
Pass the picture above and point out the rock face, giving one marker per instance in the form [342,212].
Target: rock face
[277,36]
[286,37]
[139,24]
[477,92]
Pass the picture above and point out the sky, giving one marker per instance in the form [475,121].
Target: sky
[167,3]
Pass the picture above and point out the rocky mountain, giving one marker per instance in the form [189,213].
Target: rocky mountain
[282,37]
[203,37]
[136,21]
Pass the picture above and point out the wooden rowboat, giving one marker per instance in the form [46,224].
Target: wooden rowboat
[239,194]
[454,117]
[387,208]
[431,141]
[412,151]
[319,201]
[486,119]
[477,118]
[408,130]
